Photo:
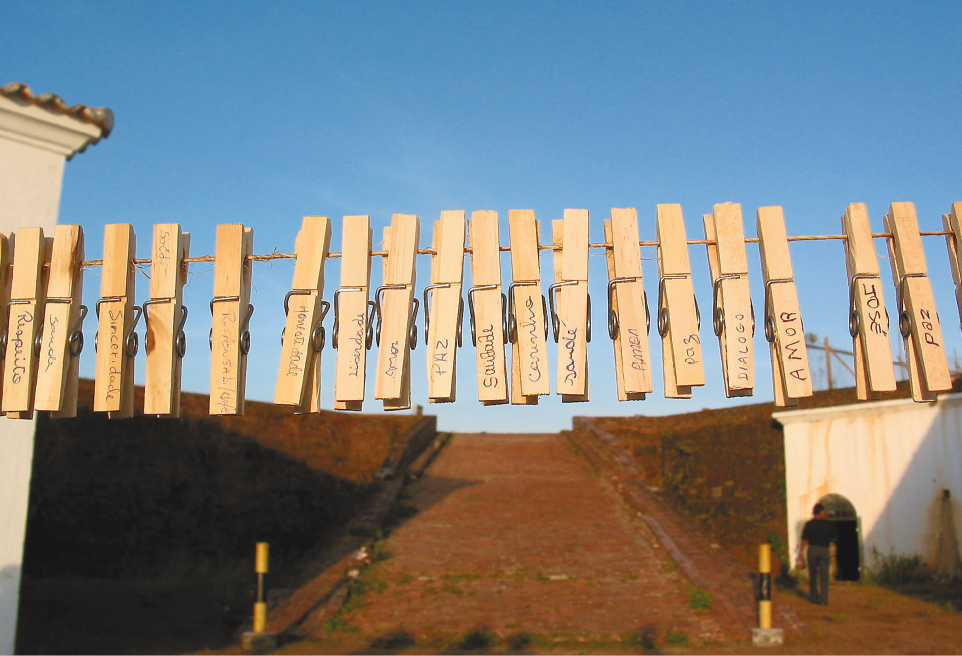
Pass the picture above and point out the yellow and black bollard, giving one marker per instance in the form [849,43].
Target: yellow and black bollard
[260,639]
[260,606]
[765,635]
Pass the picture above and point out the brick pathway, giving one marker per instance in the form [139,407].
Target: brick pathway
[517,533]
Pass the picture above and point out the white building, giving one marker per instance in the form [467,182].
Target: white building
[38,134]
[890,474]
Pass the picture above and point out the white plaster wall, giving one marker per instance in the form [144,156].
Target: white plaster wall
[891,460]
[34,144]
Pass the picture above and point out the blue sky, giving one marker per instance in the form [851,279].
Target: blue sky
[262,113]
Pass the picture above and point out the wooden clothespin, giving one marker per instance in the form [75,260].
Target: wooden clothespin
[952,224]
[165,315]
[353,324]
[918,318]
[62,341]
[7,240]
[397,313]
[231,311]
[734,317]
[571,305]
[299,373]
[791,375]
[24,321]
[444,311]
[868,318]
[527,312]
[679,321]
[117,319]
[488,308]
[628,318]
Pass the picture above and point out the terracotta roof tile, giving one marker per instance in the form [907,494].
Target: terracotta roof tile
[102,117]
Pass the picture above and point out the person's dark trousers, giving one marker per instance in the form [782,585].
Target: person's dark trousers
[818,563]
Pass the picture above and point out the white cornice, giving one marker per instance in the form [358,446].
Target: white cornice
[46,129]
[862,410]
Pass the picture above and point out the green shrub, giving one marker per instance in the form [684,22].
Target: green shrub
[699,598]
[897,569]
[478,638]
[676,637]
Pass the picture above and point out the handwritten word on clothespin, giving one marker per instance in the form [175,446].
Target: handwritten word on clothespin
[733,316]
[298,376]
[868,318]
[117,317]
[231,312]
[679,321]
[444,306]
[791,375]
[952,224]
[488,308]
[7,240]
[62,341]
[25,318]
[353,331]
[397,313]
[571,305]
[527,312]
[165,315]
[628,317]
[918,319]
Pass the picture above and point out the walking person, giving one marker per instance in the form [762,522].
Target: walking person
[817,535]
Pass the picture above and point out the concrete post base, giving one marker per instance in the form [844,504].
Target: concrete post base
[259,641]
[767,637]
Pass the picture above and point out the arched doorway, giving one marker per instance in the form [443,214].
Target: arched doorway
[847,551]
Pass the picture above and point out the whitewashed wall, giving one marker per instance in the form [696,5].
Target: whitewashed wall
[34,145]
[891,459]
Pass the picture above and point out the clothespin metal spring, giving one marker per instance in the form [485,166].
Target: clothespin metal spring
[905,318]
[132,340]
[718,320]
[412,325]
[504,313]
[854,323]
[318,335]
[369,336]
[180,343]
[245,345]
[513,318]
[771,333]
[427,313]
[555,320]
[663,320]
[613,323]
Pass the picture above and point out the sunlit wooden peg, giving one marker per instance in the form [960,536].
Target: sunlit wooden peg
[571,305]
[117,317]
[629,320]
[527,312]
[733,316]
[679,321]
[918,318]
[7,240]
[298,375]
[868,318]
[25,318]
[231,312]
[165,342]
[791,375]
[62,339]
[397,307]
[488,308]
[444,306]
[952,224]
[353,331]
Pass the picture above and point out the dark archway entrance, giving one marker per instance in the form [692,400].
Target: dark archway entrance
[847,553]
